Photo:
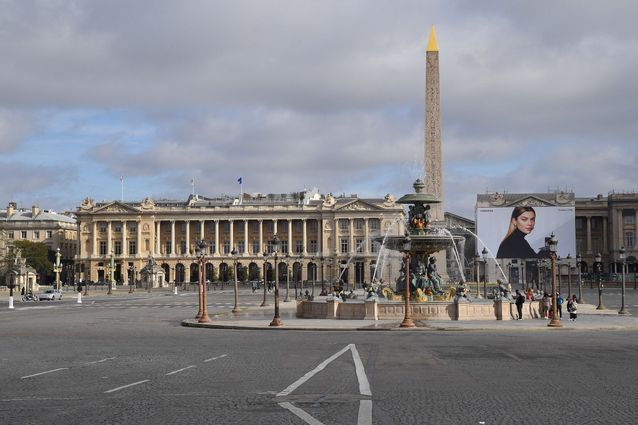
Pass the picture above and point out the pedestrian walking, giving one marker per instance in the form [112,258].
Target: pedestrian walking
[559,304]
[520,300]
[546,302]
[572,308]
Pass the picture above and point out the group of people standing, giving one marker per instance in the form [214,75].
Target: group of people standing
[545,309]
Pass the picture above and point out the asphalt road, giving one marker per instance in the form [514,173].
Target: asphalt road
[127,360]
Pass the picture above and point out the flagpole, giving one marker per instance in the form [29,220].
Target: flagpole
[193,183]
[122,187]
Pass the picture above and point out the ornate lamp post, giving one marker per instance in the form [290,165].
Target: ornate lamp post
[623,309]
[111,267]
[568,260]
[131,283]
[406,248]
[276,321]
[553,243]
[598,269]
[301,274]
[287,299]
[57,269]
[200,251]
[323,286]
[11,285]
[484,255]
[579,265]
[264,303]
[314,275]
[234,255]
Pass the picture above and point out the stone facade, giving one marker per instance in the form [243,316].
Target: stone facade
[322,237]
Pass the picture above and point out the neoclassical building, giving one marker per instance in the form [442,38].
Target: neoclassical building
[322,237]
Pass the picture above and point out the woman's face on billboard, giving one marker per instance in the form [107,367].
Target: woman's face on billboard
[525,222]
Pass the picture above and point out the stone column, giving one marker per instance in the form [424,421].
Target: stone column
[274,227]
[94,247]
[605,235]
[261,236]
[231,232]
[172,237]
[124,247]
[351,246]
[246,250]
[366,235]
[621,230]
[319,239]
[290,237]
[188,238]
[216,237]
[109,242]
[305,239]
[201,229]
[588,229]
[158,240]
[138,227]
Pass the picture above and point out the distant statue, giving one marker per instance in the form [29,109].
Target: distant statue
[503,292]
[461,293]
[16,260]
[433,275]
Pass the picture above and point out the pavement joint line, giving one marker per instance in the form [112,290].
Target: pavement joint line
[42,373]
[100,361]
[126,386]
[215,358]
[180,370]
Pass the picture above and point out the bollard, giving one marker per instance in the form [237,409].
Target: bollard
[79,297]
[175,290]
[10,302]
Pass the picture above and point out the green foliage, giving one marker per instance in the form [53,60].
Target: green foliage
[38,256]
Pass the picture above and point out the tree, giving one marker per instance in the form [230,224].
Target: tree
[38,256]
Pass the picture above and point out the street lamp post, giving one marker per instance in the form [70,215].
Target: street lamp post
[111,266]
[598,269]
[301,275]
[57,269]
[623,308]
[407,317]
[263,303]
[200,251]
[569,275]
[131,282]
[579,265]
[276,321]
[314,275]
[484,255]
[287,257]
[323,286]
[234,254]
[553,243]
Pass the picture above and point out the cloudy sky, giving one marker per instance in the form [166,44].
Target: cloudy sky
[295,94]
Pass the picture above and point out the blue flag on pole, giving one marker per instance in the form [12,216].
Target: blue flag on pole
[239,180]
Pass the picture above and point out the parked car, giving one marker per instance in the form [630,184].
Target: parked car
[50,294]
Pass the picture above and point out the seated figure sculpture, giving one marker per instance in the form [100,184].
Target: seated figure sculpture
[433,275]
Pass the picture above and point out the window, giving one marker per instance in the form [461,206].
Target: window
[118,227]
[182,246]
[102,227]
[117,247]
[23,234]
[182,227]
[299,246]
[241,247]
[10,234]
[358,224]
[629,240]
[132,247]
[168,247]
[344,245]
[359,244]
[313,245]
[212,247]
[49,234]
[298,226]
[343,225]
[132,227]
[374,224]
[628,217]
[36,234]
[580,223]
[312,226]
[102,247]
[375,247]
[284,246]
[226,247]
[255,246]
[596,223]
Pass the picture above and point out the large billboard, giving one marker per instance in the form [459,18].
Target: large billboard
[525,234]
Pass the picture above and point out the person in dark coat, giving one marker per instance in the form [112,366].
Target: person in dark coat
[520,300]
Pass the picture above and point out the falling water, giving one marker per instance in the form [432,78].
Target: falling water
[457,257]
[384,251]
[489,251]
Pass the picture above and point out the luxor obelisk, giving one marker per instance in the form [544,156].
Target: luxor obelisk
[433,158]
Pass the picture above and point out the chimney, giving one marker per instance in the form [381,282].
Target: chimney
[34,211]
[11,209]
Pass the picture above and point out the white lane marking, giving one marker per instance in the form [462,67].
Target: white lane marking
[364,385]
[300,414]
[180,370]
[365,412]
[312,373]
[42,373]
[215,358]
[100,361]
[126,386]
